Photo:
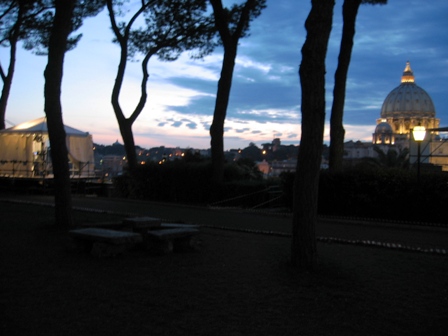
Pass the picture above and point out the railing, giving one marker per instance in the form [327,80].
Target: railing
[39,169]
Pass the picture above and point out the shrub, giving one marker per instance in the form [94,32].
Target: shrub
[379,193]
[189,181]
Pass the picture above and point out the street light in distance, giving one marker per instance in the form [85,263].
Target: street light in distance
[419,133]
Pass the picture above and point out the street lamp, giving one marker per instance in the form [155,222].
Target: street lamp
[419,133]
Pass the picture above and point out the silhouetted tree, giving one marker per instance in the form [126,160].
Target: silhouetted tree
[171,27]
[232,24]
[64,22]
[31,21]
[250,169]
[251,152]
[62,27]
[306,183]
[337,131]
[389,159]
[19,20]
[192,156]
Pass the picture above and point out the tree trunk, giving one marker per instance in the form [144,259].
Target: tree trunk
[312,78]
[337,132]
[53,110]
[125,124]
[230,43]
[219,115]
[7,79]
[129,144]
[7,82]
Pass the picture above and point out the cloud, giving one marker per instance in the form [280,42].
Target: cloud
[267,115]
[242,130]
[176,124]
[192,125]
[206,125]
[265,96]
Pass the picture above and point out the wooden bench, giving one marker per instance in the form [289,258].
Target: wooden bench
[104,242]
[168,239]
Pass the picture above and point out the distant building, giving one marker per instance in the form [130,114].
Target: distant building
[274,146]
[278,159]
[405,107]
[286,166]
[111,166]
[264,167]
[358,150]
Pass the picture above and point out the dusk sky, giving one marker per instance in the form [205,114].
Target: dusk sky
[265,98]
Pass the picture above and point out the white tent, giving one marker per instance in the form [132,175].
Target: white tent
[24,151]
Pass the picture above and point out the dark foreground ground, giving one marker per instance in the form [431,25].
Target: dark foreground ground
[237,284]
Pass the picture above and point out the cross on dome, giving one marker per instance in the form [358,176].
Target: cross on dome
[408,74]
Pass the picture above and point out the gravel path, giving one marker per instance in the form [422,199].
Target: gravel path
[406,236]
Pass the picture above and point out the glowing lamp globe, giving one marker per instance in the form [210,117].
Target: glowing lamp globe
[419,133]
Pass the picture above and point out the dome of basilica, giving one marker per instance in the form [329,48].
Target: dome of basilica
[383,134]
[383,127]
[407,106]
[408,100]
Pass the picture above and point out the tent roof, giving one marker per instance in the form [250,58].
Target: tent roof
[40,126]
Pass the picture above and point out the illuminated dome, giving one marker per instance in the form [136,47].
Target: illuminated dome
[408,100]
[405,107]
[383,127]
[383,134]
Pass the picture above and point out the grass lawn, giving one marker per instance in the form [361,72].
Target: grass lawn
[237,284]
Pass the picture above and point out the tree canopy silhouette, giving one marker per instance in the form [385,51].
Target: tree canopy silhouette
[170,27]
[232,24]
[31,22]
[62,26]
[337,131]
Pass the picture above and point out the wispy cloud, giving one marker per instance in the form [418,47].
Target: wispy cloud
[265,96]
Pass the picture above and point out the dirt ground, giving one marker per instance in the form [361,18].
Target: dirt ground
[236,284]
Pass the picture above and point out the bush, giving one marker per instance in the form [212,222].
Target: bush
[379,193]
[169,182]
[190,182]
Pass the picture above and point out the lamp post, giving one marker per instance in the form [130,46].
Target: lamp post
[419,133]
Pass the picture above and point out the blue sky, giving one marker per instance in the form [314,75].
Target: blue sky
[265,98]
